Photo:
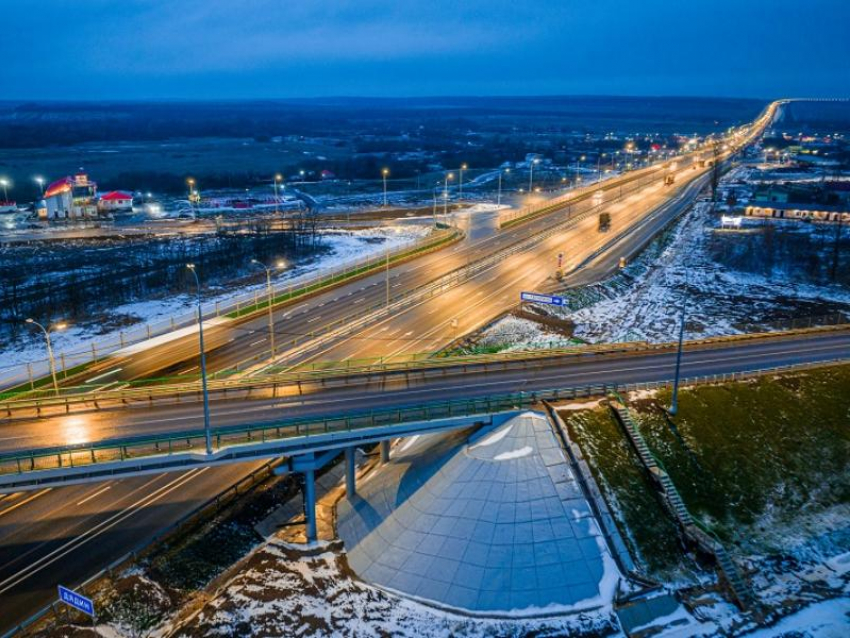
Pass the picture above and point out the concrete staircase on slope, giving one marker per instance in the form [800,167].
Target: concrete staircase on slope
[705,541]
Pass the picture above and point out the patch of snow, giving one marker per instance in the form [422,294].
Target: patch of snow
[514,454]
[827,619]
[495,437]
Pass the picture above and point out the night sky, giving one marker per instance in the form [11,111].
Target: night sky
[129,49]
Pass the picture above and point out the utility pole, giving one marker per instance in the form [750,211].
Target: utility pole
[270,296]
[388,277]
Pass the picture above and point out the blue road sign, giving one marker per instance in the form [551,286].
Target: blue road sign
[538,298]
[76,601]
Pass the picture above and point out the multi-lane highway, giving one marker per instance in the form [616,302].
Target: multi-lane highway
[135,507]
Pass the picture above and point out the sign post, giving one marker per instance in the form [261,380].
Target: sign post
[77,601]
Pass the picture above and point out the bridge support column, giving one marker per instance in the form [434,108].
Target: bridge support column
[310,505]
[385,451]
[350,487]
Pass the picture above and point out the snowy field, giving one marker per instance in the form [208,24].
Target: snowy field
[643,302]
[347,247]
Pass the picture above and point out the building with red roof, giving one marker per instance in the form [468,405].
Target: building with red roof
[71,198]
[115,201]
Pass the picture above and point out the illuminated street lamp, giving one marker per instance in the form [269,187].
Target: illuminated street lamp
[277,179]
[499,196]
[446,195]
[269,292]
[46,331]
[531,173]
[191,183]
[5,184]
[578,167]
[207,431]
[463,167]
[384,173]
[40,181]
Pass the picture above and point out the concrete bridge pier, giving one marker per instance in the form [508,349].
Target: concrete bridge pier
[350,486]
[385,451]
[307,465]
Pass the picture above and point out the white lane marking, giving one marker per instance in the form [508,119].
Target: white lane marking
[97,530]
[105,374]
[187,370]
[316,318]
[254,343]
[97,493]
[25,501]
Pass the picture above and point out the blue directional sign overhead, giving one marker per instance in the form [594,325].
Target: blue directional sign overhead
[75,600]
[538,298]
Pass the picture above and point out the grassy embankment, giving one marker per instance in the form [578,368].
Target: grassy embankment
[764,464]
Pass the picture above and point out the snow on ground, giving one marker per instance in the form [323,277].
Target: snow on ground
[643,302]
[347,247]
[827,619]
[282,592]
[522,334]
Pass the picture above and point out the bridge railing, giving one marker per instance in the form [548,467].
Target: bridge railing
[24,378]
[275,380]
[111,450]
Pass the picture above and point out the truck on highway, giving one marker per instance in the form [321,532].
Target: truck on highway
[669,179]
[604,222]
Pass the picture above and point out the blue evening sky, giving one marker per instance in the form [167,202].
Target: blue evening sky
[128,49]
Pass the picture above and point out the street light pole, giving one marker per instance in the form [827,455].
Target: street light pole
[463,167]
[385,172]
[270,299]
[5,184]
[207,431]
[277,179]
[446,196]
[674,404]
[531,175]
[50,356]
[499,196]
[40,182]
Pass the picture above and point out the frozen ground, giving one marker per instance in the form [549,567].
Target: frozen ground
[643,302]
[282,592]
[347,247]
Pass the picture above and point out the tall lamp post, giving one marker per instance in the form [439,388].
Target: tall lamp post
[40,181]
[674,404]
[531,174]
[277,179]
[5,184]
[207,431]
[446,195]
[499,196]
[384,173]
[463,167]
[50,357]
[270,295]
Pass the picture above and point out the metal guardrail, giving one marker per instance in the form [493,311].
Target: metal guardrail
[70,363]
[112,450]
[345,371]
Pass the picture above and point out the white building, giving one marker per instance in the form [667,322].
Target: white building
[71,198]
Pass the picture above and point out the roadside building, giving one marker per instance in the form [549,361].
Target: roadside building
[803,212]
[71,198]
[115,201]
